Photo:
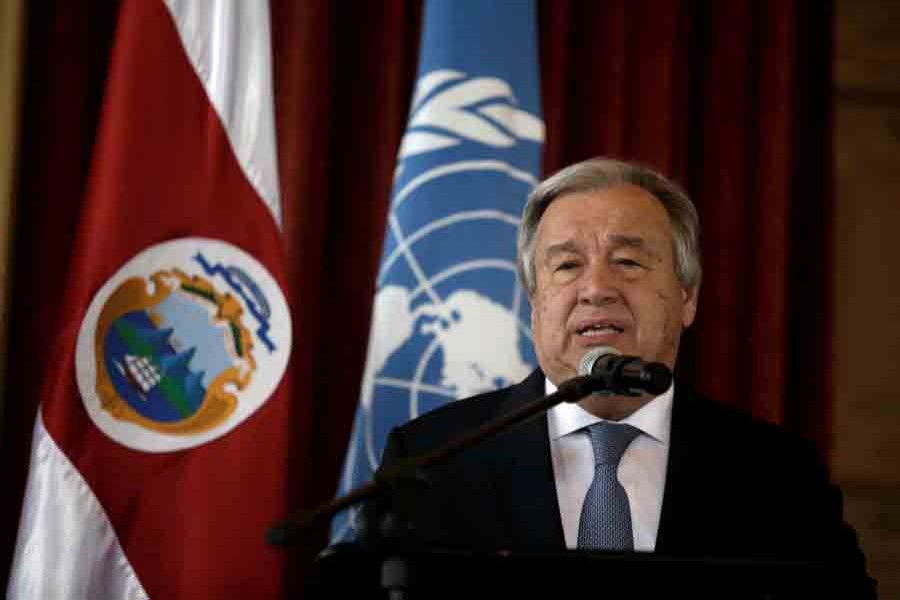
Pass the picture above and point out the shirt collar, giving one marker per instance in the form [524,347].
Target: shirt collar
[653,419]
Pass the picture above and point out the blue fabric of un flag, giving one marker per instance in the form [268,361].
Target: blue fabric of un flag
[449,317]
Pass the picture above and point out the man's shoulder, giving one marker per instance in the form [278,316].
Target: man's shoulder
[446,422]
[729,427]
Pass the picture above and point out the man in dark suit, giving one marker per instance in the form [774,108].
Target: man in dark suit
[609,255]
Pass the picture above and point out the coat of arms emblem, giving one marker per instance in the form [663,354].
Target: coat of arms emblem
[176,353]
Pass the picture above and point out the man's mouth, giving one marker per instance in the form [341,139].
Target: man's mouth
[599,329]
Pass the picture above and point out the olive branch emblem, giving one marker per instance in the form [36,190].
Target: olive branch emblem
[449,107]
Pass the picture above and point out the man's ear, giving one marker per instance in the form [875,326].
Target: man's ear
[689,297]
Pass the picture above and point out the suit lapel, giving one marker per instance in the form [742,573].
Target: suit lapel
[526,489]
[673,532]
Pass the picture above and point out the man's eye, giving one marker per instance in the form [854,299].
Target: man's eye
[628,262]
[566,266]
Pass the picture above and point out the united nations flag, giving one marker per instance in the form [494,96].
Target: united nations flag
[449,318]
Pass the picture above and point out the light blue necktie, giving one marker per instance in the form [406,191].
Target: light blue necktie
[605,516]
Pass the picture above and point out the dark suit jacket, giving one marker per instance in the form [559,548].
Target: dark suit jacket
[735,486]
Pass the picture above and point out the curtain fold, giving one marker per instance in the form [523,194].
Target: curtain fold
[343,88]
[732,99]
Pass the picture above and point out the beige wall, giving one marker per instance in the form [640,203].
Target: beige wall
[10,57]
[866,454]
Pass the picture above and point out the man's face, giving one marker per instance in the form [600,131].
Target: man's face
[605,276]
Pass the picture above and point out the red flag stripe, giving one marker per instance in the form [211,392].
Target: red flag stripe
[191,522]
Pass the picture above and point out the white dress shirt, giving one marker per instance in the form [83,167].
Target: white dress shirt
[642,469]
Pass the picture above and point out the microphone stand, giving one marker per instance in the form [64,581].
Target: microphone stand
[397,481]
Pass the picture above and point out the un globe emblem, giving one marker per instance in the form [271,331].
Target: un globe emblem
[449,319]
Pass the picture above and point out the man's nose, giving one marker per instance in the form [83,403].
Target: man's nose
[598,286]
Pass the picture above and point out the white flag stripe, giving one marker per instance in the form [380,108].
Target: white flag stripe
[66,544]
[227,42]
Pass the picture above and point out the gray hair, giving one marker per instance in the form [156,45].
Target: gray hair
[600,174]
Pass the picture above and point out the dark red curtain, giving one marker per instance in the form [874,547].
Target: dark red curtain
[732,99]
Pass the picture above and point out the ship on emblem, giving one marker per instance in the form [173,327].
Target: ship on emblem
[155,371]
[174,360]
[141,372]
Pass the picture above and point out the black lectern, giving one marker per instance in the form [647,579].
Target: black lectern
[347,570]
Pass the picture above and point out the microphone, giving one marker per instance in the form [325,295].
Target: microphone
[624,375]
